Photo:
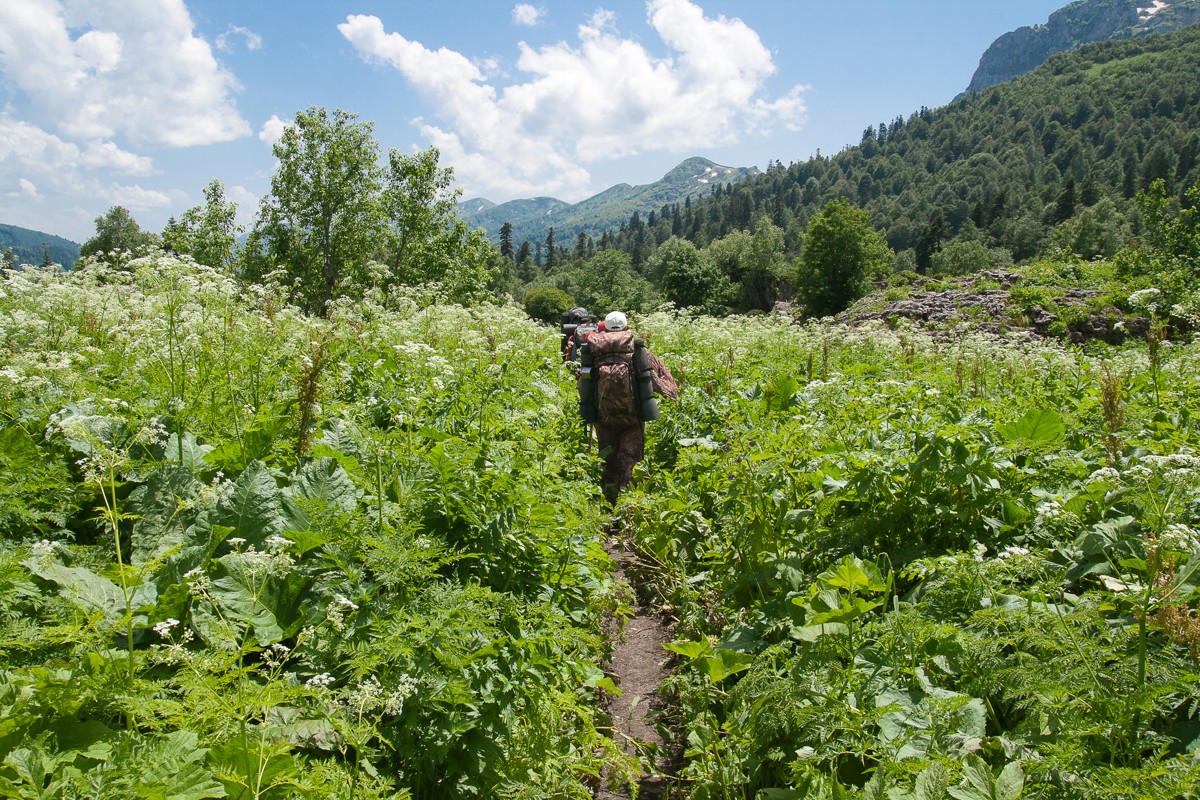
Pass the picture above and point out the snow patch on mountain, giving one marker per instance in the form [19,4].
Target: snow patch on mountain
[1149,11]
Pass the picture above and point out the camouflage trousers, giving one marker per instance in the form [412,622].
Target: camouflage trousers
[622,448]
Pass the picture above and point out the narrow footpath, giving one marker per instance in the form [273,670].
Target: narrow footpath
[638,666]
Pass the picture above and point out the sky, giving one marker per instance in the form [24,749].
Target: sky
[141,103]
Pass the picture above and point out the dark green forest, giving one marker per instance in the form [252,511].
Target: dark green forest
[23,246]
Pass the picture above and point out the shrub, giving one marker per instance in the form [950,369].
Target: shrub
[547,303]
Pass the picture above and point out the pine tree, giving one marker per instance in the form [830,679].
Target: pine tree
[506,244]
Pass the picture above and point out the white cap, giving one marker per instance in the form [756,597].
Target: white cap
[615,321]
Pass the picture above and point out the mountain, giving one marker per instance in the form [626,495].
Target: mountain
[31,247]
[532,219]
[1020,51]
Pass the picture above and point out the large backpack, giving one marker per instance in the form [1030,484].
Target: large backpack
[612,354]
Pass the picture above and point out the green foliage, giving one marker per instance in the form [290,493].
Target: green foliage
[428,243]
[320,220]
[842,253]
[547,303]
[927,571]
[118,235]
[687,277]
[902,565]
[194,607]
[207,233]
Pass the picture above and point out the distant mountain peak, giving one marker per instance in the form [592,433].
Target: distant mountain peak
[531,218]
[702,171]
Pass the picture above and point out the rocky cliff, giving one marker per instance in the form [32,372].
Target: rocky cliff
[1024,49]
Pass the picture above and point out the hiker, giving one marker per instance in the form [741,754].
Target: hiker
[575,327]
[627,375]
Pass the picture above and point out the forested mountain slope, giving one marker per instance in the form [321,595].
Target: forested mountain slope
[1065,147]
[532,218]
[34,247]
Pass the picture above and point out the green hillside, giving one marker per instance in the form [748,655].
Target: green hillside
[33,247]
[1050,159]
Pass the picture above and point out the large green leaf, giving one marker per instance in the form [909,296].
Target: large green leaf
[91,592]
[850,608]
[724,663]
[267,601]
[254,509]
[1038,425]
[160,526]
[854,575]
[324,481]
[17,447]
[189,454]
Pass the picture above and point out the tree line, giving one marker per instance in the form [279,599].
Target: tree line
[1051,162]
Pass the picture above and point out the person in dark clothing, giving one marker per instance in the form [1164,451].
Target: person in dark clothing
[620,432]
[576,325]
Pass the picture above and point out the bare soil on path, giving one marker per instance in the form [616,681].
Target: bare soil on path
[638,666]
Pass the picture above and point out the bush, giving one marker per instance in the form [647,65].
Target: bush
[547,304]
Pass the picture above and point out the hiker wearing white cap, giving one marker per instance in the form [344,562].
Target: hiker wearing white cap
[618,399]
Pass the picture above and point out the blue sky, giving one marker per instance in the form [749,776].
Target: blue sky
[141,103]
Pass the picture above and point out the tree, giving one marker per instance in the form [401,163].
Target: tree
[762,265]
[930,241]
[551,258]
[1098,230]
[964,258]
[608,282]
[842,253]
[687,276]
[321,219]
[427,240]
[506,243]
[207,233]
[117,231]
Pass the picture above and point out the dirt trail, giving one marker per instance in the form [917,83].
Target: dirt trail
[638,666]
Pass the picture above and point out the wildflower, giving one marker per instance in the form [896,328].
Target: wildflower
[344,601]
[163,628]
[236,541]
[277,542]
[1105,474]
[43,548]
[978,551]
[319,681]
[1013,550]
[1181,537]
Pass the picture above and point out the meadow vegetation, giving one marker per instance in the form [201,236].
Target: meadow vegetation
[249,552]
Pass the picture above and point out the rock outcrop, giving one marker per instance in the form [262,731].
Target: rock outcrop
[1023,50]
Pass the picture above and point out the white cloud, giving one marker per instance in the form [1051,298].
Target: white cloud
[526,14]
[247,203]
[135,198]
[133,69]
[48,169]
[605,96]
[225,40]
[272,129]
